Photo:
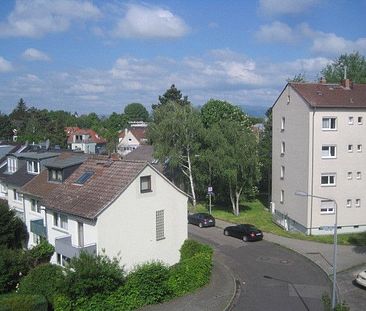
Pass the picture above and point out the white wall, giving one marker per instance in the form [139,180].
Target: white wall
[128,227]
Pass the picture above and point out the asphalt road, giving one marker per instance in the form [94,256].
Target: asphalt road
[271,277]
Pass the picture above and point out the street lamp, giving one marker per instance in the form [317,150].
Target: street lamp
[305,194]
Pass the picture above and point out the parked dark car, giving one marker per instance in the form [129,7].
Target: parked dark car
[246,232]
[201,220]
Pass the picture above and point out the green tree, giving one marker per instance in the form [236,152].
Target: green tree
[115,122]
[136,112]
[90,120]
[172,95]
[19,115]
[13,232]
[6,128]
[176,133]
[300,77]
[355,65]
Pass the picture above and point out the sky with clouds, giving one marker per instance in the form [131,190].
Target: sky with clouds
[99,56]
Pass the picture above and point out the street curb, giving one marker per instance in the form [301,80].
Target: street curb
[236,290]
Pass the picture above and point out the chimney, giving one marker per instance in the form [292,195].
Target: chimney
[322,80]
[346,83]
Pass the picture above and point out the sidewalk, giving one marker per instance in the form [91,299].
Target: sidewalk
[216,296]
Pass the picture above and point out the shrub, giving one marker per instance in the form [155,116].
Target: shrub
[147,284]
[13,265]
[17,302]
[41,253]
[42,280]
[61,303]
[190,248]
[88,275]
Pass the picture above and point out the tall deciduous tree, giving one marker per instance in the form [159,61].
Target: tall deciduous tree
[172,95]
[176,133]
[356,68]
[5,128]
[136,112]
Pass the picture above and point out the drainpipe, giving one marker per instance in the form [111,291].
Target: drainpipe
[312,172]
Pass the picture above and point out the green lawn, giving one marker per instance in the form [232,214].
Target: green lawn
[253,212]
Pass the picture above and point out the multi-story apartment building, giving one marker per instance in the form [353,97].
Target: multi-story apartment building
[319,148]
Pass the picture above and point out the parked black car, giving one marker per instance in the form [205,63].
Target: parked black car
[246,232]
[201,220]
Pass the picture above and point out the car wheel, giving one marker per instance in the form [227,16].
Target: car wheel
[245,238]
[200,225]
[226,232]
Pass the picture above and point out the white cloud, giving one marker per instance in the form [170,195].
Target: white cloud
[279,7]
[32,54]
[276,32]
[36,18]
[5,65]
[150,22]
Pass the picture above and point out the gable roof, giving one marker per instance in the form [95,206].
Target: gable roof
[138,132]
[94,137]
[326,95]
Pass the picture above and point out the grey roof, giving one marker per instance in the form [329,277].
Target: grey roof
[35,155]
[63,163]
[19,178]
[5,149]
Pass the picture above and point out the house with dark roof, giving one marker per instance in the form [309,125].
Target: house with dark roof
[125,208]
[319,150]
[85,140]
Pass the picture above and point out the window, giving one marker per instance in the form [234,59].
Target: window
[326,207]
[329,123]
[358,175]
[283,120]
[18,196]
[359,120]
[35,238]
[359,148]
[145,184]
[4,189]
[283,148]
[349,175]
[33,167]
[349,203]
[35,206]
[328,179]
[160,225]
[350,120]
[282,196]
[350,148]
[84,177]
[358,203]
[282,172]
[328,151]
[55,175]
[12,165]
[62,260]
[60,220]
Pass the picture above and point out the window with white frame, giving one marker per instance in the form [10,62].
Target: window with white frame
[62,260]
[358,203]
[358,175]
[282,196]
[328,151]
[350,148]
[328,179]
[12,164]
[350,120]
[35,206]
[3,188]
[283,121]
[329,123]
[60,220]
[145,184]
[36,239]
[326,207]
[349,203]
[32,167]
[160,225]
[282,175]
[359,120]
[359,148]
[283,148]
[17,196]
[349,175]
[55,175]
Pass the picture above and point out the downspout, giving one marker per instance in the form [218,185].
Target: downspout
[312,172]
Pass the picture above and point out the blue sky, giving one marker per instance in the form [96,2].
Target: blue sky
[99,56]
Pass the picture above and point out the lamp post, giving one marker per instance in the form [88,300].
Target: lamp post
[304,194]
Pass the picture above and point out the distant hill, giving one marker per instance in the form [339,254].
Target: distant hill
[255,111]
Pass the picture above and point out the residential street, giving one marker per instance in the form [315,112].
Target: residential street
[271,277]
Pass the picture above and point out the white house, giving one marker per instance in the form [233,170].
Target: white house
[132,138]
[318,147]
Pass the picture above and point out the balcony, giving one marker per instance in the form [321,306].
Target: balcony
[64,246]
[37,227]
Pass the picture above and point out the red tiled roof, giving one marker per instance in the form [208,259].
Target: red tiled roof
[138,132]
[109,180]
[94,137]
[332,95]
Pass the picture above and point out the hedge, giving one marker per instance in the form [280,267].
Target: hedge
[19,302]
[190,248]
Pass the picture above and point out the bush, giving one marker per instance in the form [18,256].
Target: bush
[42,280]
[190,248]
[13,265]
[61,303]
[147,284]
[88,275]
[41,253]
[17,302]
